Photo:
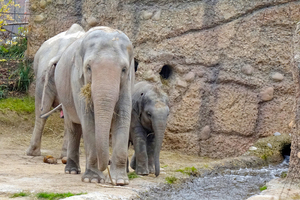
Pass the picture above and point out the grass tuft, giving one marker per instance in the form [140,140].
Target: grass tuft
[132,175]
[189,171]
[263,188]
[23,105]
[20,194]
[55,196]
[283,174]
[171,179]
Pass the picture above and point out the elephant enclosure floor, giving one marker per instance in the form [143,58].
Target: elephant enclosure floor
[19,172]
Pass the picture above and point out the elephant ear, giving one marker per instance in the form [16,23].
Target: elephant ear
[132,75]
[137,102]
[78,64]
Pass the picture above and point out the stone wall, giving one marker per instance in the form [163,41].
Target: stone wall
[224,64]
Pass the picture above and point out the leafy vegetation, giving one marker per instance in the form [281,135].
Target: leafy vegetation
[132,175]
[283,174]
[189,171]
[3,91]
[263,188]
[23,105]
[25,77]
[54,196]
[5,8]
[20,194]
[171,179]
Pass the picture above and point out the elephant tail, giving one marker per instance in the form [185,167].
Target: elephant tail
[48,75]
[46,115]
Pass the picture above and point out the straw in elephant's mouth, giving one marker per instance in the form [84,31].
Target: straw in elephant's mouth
[85,92]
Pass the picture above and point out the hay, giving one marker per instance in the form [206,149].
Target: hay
[86,93]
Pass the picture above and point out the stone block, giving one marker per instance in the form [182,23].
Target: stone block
[235,110]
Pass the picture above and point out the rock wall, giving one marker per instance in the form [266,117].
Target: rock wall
[226,65]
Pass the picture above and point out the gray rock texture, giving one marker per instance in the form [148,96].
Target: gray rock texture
[222,57]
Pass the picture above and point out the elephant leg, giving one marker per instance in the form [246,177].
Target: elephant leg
[150,153]
[65,145]
[141,157]
[34,148]
[74,132]
[120,137]
[91,174]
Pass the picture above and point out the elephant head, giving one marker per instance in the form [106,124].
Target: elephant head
[152,106]
[104,62]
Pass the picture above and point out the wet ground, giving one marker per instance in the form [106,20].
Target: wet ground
[227,185]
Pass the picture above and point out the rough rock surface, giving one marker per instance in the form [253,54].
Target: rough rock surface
[220,56]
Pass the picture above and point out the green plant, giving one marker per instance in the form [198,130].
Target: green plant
[14,49]
[55,196]
[283,174]
[171,179]
[20,194]
[263,188]
[264,157]
[3,91]
[132,175]
[189,171]
[5,16]
[25,77]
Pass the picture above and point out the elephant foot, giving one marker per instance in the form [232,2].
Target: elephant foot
[33,151]
[72,167]
[91,176]
[142,171]
[118,176]
[151,170]
[119,181]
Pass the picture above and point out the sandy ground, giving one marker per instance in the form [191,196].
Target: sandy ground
[19,172]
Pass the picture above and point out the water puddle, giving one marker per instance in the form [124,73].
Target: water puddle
[226,185]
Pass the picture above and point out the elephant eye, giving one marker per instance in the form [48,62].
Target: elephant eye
[149,114]
[88,68]
[124,69]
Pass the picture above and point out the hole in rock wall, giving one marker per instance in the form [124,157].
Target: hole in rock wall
[166,71]
[136,64]
[286,152]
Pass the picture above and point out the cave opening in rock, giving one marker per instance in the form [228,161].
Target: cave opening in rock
[166,71]
[136,64]
[286,152]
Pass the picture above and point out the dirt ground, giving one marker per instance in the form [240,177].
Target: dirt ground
[19,172]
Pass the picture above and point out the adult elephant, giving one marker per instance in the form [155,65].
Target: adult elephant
[149,116]
[44,61]
[94,79]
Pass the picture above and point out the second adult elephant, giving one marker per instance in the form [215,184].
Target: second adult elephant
[94,79]
[45,92]
[149,116]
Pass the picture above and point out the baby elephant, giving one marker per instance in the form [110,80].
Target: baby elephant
[149,115]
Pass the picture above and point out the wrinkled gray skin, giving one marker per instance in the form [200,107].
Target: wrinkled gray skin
[149,116]
[44,61]
[104,58]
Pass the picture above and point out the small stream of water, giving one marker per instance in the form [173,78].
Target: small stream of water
[227,185]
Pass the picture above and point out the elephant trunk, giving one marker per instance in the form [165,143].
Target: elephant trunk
[105,93]
[159,130]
